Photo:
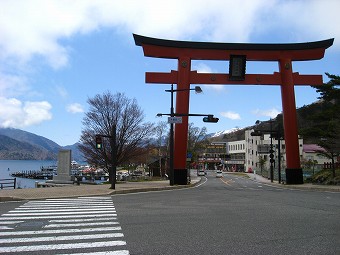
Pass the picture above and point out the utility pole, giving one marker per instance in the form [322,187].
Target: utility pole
[172,177]
[271,155]
[113,139]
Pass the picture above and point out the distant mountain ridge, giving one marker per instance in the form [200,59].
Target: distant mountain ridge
[17,144]
[228,131]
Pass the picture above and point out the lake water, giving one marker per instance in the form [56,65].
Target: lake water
[11,166]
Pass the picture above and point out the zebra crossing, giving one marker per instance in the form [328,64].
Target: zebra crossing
[83,225]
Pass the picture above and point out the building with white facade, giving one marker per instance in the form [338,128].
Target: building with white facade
[257,152]
[253,154]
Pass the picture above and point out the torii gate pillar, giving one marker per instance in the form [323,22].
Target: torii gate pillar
[294,173]
[284,54]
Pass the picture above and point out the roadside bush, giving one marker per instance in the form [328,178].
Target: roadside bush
[325,177]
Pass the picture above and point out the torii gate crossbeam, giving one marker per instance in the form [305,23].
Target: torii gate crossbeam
[284,54]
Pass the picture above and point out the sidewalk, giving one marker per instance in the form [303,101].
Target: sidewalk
[305,186]
[88,190]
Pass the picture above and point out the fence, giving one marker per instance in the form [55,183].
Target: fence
[8,183]
[330,165]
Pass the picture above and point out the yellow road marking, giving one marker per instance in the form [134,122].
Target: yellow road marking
[227,181]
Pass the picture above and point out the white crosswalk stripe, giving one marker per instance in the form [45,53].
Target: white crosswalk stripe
[84,225]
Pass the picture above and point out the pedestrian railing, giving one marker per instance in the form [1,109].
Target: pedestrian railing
[8,183]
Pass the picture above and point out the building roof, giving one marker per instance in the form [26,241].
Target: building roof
[312,148]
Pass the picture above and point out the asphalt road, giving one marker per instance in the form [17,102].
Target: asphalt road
[229,215]
[232,215]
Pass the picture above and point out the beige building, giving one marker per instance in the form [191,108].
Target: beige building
[252,154]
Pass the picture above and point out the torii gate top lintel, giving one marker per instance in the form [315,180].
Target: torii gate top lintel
[269,51]
[284,54]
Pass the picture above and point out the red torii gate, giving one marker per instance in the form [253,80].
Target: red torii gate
[284,54]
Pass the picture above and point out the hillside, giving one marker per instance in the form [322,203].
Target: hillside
[33,139]
[16,144]
[303,119]
[14,149]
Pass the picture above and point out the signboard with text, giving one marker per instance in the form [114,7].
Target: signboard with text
[175,120]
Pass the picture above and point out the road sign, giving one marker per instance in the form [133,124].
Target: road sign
[263,148]
[175,120]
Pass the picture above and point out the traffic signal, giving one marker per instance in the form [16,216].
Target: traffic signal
[210,118]
[99,142]
[271,155]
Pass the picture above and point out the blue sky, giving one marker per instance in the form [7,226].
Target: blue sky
[54,55]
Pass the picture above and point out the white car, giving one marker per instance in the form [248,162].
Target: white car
[201,173]
[219,174]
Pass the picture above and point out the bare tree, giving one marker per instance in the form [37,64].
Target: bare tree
[107,114]
[197,140]
[160,129]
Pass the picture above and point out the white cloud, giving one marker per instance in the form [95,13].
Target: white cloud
[272,113]
[204,68]
[17,114]
[75,108]
[41,28]
[36,27]
[231,115]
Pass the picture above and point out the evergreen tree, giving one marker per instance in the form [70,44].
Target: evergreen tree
[326,128]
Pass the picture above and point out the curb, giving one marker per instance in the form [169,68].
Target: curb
[310,187]
[109,192]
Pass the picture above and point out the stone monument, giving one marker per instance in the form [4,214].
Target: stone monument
[64,167]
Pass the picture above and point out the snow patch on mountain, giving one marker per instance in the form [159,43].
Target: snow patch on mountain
[225,132]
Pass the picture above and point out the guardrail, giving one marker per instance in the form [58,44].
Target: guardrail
[8,183]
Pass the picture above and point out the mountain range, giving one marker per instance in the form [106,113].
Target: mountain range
[17,144]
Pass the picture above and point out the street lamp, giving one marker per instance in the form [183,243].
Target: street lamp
[197,89]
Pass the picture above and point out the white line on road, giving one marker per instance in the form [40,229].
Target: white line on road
[57,217]
[59,231]
[81,224]
[60,210]
[61,246]
[4,227]
[62,207]
[80,198]
[59,213]
[68,203]
[10,222]
[120,252]
[60,238]
[84,220]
